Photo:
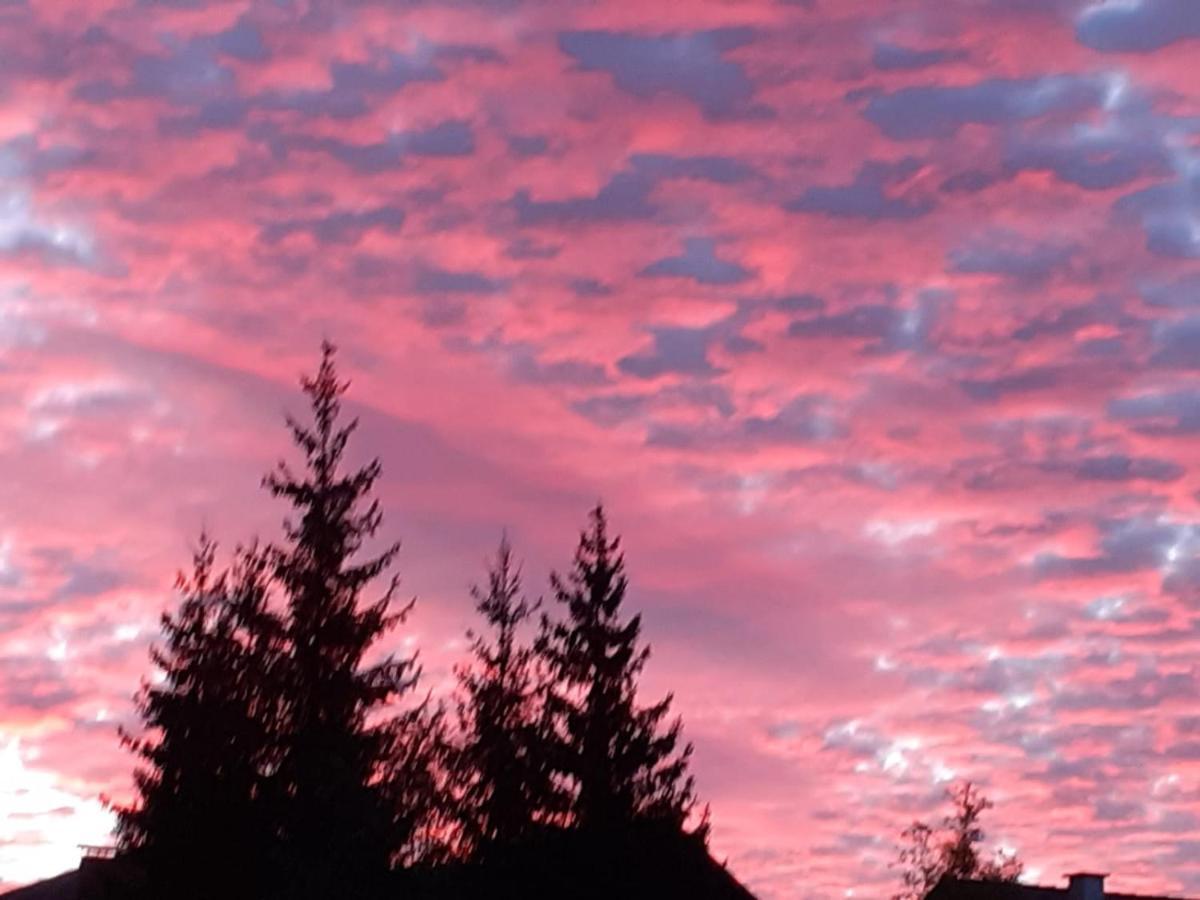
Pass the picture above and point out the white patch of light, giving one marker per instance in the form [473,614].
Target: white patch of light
[57,652]
[942,774]
[7,572]
[752,490]
[897,531]
[1116,88]
[1018,700]
[19,225]
[44,824]
[126,632]
[894,759]
[1105,608]
[1165,784]
[884,663]
[844,730]
[42,429]
[71,394]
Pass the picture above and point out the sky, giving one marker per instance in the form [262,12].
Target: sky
[875,325]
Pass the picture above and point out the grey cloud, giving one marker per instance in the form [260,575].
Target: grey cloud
[890,328]
[679,351]
[1124,546]
[1002,252]
[431,279]
[451,138]
[939,111]
[1160,413]
[890,57]
[1166,212]
[805,419]
[1181,293]
[700,263]
[867,196]
[1139,26]
[626,196]
[1036,378]
[1090,159]
[1177,344]
[338,227]
[690,65]
[1118,467]
[623,198]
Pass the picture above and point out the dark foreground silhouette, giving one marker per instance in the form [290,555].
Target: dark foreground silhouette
[281,756]
[643,863]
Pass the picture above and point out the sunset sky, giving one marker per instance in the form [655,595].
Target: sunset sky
[876,325]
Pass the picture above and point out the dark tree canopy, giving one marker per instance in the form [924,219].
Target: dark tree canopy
[282,757]
[205,789]
[623,761]
[953,850]
[343,828]
[506,787]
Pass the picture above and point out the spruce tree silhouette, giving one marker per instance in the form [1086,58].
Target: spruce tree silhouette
[506,786]
[622,763]
[202,823]
[343,828]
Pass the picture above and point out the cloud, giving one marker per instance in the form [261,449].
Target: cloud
[689,65]
[919,298]
[700,263]
[24,233]
[867,196]
[1166,213]
[431,279]
[1034,378]
[1118,467]
[1125,546]
[1160,413]
[937,111]
[1008,253]
[1137,26]
[338,227]
[627,195]
[1177,344]
[676,351]
[890,57]
[1092,160]
[451,138]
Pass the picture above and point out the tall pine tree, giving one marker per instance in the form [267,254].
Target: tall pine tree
[623,761]
[202,824]
[506,785]
[343,827]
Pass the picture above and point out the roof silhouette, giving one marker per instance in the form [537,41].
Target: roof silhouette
[971,889]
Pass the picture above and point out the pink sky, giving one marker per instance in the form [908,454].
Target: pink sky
[875,325]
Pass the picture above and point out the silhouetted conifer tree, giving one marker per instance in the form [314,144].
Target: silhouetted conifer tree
[506,785]
[343,826]
[202,824]
[623,762]
[417,778]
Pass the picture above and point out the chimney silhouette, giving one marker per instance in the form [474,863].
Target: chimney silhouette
[1085,886]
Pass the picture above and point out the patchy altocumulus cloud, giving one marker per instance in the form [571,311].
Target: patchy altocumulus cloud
[875,325]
